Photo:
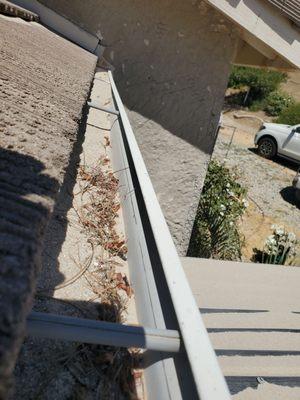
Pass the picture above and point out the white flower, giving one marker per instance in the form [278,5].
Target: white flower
[222,214]
[271,240]
[230,223]
[279,231]
[223,208]
[292,237]
[245,203]
[228,185]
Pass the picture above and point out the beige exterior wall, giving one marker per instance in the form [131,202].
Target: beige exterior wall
[172,61]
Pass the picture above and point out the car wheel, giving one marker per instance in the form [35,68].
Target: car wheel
[267,147]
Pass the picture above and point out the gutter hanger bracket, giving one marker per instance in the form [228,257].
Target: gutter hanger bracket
[108,110]
[82,330]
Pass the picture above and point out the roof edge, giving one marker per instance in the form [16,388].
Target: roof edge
[266,24]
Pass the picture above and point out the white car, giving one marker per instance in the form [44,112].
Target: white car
[283,140]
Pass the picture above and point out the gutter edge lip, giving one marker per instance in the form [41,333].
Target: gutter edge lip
[209,380]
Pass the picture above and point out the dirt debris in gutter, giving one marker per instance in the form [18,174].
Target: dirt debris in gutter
[85,275]
[100,372]
[98,215]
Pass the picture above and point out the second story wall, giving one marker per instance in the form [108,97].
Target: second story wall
[171,60]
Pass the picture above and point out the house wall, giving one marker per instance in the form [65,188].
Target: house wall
[171,61]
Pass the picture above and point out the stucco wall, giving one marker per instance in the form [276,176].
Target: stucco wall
[171,62]
[44,82]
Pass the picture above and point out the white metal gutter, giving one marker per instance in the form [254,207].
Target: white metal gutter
[209,381]
[101,108]
[179,360]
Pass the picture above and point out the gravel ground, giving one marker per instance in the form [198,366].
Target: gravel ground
[268,181]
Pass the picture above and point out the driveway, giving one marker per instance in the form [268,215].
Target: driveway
[270,195]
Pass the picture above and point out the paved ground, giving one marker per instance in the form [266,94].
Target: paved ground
[271,198]
[44,83]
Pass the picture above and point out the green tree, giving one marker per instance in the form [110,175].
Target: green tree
[261,82]
[215,234]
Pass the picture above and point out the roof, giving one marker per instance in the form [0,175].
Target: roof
[45,81]
[291,8]
[266,29]
[251,313]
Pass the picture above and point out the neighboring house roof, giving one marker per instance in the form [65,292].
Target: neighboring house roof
[291,8]
[8,8]
[250,316]
[264,31]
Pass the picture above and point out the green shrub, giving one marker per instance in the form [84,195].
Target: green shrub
[261,82]
[222,202]
[257,105]
[276,102]
[279,248]
[236,99]
[290,115]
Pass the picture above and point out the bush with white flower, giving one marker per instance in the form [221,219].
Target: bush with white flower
[279,247]
[222,203]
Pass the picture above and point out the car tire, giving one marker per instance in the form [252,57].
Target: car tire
[267,147]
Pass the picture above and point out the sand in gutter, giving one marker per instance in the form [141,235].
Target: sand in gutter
[83,276]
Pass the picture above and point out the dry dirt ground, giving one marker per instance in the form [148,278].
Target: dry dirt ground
[270,194]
